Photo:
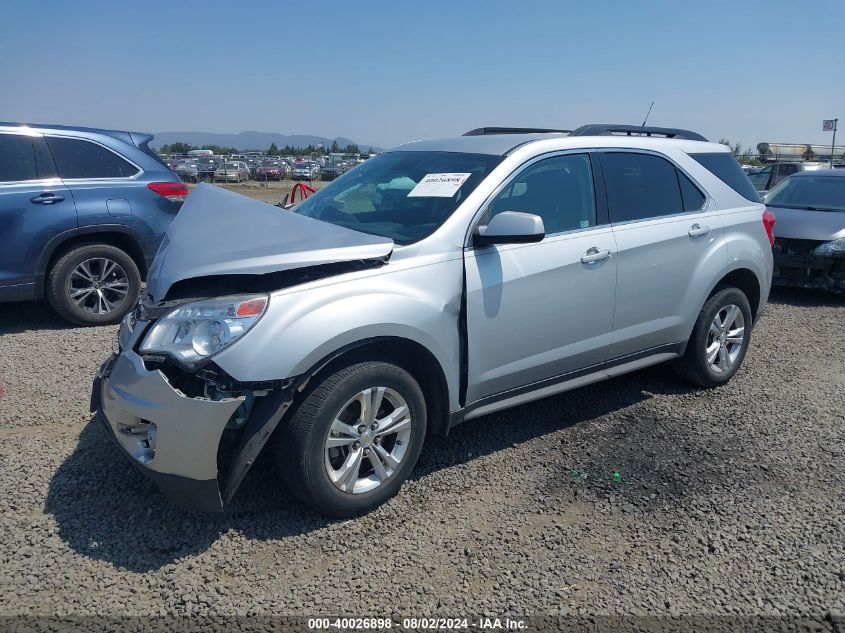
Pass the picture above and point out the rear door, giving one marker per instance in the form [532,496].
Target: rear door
[540,311]
[99,179]
[35,207]
[669,237]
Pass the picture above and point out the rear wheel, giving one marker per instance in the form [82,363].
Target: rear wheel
[93,284]
[354,440]
[719,340]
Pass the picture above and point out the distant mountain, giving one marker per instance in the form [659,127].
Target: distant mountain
[250,140]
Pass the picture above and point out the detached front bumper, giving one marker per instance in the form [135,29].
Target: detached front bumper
[173,439]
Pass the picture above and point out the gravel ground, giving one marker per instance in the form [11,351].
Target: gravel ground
[726,502]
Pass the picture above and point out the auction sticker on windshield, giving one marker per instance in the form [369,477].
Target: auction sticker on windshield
[438,185]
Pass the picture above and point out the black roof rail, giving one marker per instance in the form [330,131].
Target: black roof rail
[609,129]
[483,131]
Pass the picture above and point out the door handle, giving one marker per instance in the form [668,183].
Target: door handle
[46,198]
[594,255]
[696,230]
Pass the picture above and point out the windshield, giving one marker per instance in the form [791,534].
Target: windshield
[231,166]
[809,192]
[382,196]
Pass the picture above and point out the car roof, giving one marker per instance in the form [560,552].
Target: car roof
[122,135]
[502,144]
[838,173]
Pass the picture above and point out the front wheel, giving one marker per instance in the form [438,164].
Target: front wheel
[719,340]
[354,439]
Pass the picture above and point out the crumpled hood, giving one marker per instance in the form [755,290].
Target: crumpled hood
[218,232]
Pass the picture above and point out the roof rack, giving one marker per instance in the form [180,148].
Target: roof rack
[484,131]
[609,129]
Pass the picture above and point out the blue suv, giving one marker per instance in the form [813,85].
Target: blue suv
[82,213]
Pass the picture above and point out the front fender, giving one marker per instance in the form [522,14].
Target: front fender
[305,325]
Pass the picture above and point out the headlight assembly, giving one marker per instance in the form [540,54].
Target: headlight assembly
[192,332]
[836,248]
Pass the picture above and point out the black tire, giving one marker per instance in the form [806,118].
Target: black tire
[59,284]
[693,365]
[300,444]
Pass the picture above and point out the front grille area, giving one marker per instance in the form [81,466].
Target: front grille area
[797,265]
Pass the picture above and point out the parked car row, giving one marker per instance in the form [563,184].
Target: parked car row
[260,167]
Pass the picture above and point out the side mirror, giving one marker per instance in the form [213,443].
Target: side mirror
[511,227]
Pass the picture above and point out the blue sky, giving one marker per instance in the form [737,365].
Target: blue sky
[384,72]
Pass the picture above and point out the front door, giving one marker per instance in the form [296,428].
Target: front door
[540,311]
[34,207]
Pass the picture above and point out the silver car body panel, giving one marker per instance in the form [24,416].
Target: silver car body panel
[218,232]
[533,298]
[416,298]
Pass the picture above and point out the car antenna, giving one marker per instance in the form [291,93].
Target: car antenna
[647,113]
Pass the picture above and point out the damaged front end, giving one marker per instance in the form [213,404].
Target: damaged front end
[195,433]
[806,263]
[187,424]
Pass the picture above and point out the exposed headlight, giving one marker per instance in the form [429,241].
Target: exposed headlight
[836,248]
[194,331]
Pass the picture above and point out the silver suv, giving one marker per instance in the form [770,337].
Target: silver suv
[435,283]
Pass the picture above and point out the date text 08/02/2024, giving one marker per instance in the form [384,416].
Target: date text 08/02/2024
[454,624]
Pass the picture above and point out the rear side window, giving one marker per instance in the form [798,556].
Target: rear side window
[17,158]
[144,147]
[724,166]
[76,158]
[640,186]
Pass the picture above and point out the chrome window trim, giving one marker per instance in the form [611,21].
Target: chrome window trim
[136,176]
[21,131]
[708,206]
[511,176]
[37,181]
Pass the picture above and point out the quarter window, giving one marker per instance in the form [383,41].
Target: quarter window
[559,190]
[76,158]
[692,196]
[640,186]
[17,158]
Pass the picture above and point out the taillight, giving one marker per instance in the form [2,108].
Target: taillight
[769,220]
[173,191]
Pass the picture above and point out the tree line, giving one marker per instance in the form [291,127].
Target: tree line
[273,150]
[744,156]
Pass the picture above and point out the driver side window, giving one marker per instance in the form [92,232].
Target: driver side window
[559,190]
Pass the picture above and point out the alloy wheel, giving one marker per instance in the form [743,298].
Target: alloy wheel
[98,285]
[725,339]
[367,440]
